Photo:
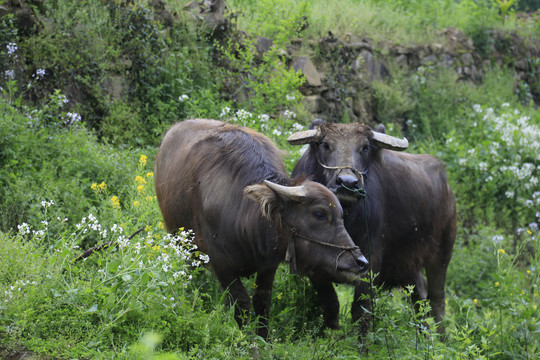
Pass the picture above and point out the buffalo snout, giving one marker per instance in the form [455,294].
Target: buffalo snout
[358,266]
[363,263]
[348,182]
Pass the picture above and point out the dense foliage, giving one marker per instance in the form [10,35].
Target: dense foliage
[84,102]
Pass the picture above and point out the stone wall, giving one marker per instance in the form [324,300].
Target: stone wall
[339,82]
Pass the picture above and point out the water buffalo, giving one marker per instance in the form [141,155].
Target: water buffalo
[229,185]
[398,208]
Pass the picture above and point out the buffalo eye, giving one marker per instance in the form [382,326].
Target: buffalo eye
[324,145]
[319,215]
[365,148]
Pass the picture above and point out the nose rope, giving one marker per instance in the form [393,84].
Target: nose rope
[340,168]
[297,234]
[359,192]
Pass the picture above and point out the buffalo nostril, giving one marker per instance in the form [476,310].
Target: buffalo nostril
[363,263]
[347,181]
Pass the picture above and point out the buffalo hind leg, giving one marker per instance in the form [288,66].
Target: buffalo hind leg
[237,296]
[262,299]
[328,301]
[436,274]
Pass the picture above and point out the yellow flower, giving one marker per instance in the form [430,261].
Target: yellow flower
[529,232]
[115,201]
[522,292]
[156,248]
[135,203]
[147,228]
[280,295]
[140,188]
[475,301]
[534,306]
[149,174]
[149,198]
[497,283]
[529,272]
[142,160]
[140,180]
[103,186]
[501,251]
[160,225]
[94,186]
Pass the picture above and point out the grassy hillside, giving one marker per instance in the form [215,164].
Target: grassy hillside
[85,98]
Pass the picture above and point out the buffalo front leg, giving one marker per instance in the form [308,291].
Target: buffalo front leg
[262,299]
[419,291]
[239,297]
[328,300]
[361,307]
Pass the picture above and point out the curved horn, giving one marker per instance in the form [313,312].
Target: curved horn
[295,193]
[304,137]
[389,142]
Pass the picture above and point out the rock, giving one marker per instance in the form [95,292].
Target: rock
[263,44]
[448,60]
[115,86]
[315,104]
[467,59]
[357,46]
[436,48]
[429,60]
[304,64]
[371,68]
[402,61]
[522,65]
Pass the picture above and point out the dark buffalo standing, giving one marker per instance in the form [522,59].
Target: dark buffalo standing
[398,208]
[229,185]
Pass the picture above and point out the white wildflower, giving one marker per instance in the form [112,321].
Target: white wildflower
[24,228]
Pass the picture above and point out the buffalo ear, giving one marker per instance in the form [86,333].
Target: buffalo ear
[380,128]
[316,123]
[267,199]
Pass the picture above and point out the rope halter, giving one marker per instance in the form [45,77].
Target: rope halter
[359,192]
[290,255]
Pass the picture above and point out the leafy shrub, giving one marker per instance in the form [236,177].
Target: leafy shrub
[494,158]
[41,159]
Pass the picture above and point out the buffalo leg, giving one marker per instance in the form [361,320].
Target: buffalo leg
[328,300]
[361,303]
[237,296]
[419,291]
[436,280]
[262,299]
[436,274]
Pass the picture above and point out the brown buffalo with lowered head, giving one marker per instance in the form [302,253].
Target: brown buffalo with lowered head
[229,185]
[398,208]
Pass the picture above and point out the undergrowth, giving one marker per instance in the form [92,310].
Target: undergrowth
[78,174]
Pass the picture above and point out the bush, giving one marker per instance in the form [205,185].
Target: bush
[40,161]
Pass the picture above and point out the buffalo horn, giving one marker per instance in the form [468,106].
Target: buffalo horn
[295,193]
[304,137]
[389,142]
